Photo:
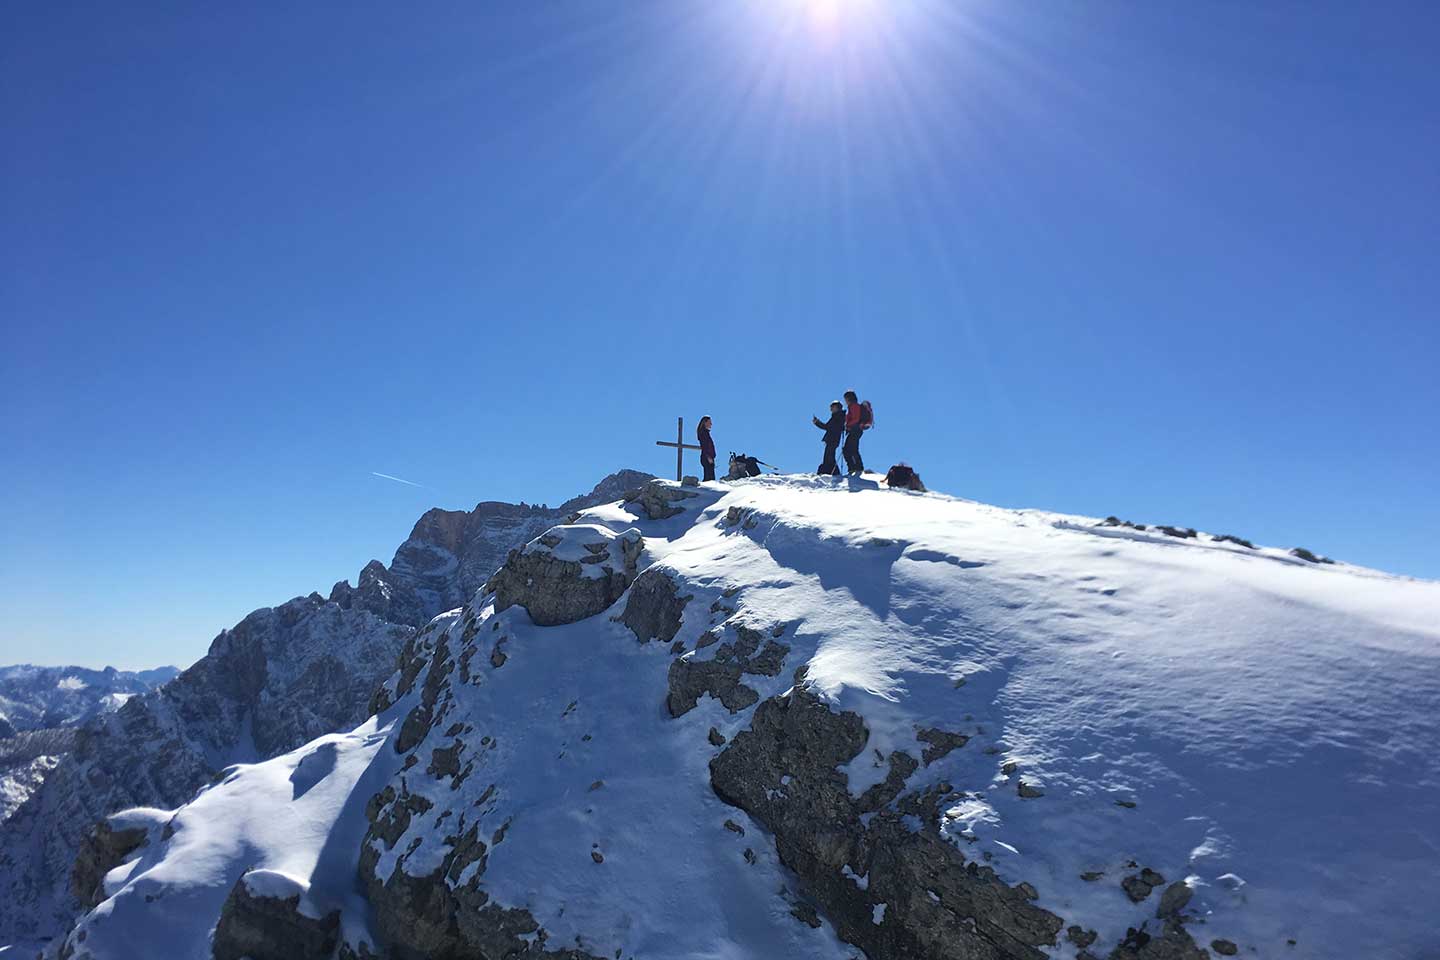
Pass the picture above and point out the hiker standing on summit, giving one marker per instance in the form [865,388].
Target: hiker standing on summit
[858,419]
[707,448]
[834,429]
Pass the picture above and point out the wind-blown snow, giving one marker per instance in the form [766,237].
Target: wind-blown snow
[1259,726]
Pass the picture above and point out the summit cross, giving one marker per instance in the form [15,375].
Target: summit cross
[680,447]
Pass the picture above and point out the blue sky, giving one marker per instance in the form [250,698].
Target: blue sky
[1168,260]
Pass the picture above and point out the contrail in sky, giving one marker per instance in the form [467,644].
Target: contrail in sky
[386,476]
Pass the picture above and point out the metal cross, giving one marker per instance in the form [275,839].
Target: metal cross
[680,447]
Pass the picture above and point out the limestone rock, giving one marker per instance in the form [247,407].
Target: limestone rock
[782,771]
[262,920]
[568,574]
[103,849]
[659,499]
[654,608]
[1174,899]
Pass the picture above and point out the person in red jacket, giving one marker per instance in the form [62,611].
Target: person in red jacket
[707,448]
[854,426]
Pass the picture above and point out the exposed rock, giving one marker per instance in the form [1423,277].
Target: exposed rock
[259,923]
[1138,887]
[806,914]
[1081,937]
[1028,791]
[1184,533]
[658,499]
[783,772]
[1228,538]
[554,577]
[654,608]
[103,849]
[1309,557]
[1172,943]
[716,738]
[1174,899]
[691,679]
[940,743]
[1225,948]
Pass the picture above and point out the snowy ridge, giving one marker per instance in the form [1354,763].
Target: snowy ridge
[1117,726]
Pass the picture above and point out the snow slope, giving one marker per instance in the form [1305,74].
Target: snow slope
[1260,727]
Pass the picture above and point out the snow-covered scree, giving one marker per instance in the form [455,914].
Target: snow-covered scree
[819,713]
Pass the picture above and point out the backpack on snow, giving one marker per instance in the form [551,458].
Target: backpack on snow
[867,415]
[903,477]
[899,475]
[742,466]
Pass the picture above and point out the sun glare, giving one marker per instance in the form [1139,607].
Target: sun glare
[833,15]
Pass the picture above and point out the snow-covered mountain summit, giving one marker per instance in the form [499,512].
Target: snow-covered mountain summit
[800,717]
[281,677]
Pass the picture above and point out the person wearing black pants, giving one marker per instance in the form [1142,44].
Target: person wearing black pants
[707,448]
[853,428]
[834,429]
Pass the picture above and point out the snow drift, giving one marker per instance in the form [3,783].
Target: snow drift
[822,715]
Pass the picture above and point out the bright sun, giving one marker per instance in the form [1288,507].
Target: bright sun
[830,15]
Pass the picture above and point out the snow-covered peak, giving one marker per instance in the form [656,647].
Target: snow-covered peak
[820,716]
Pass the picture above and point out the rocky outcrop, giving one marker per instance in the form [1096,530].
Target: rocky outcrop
[693,676]
[659,499]
[655,608]
[1171,942]
[262,920]
[104,848]
[568,574]
[929,901]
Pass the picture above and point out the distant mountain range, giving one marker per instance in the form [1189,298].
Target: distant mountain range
[39,698]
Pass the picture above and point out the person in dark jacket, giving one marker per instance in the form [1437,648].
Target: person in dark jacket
[834,429]
[854,426]
[707,448]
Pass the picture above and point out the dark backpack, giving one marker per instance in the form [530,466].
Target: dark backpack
[899,475]
[743,466]
[867,415]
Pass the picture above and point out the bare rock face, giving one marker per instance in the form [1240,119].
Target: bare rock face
[720,676]
[568,574]
[655,608]
[103,849]
[262,920]
[659,499]
[782,771]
